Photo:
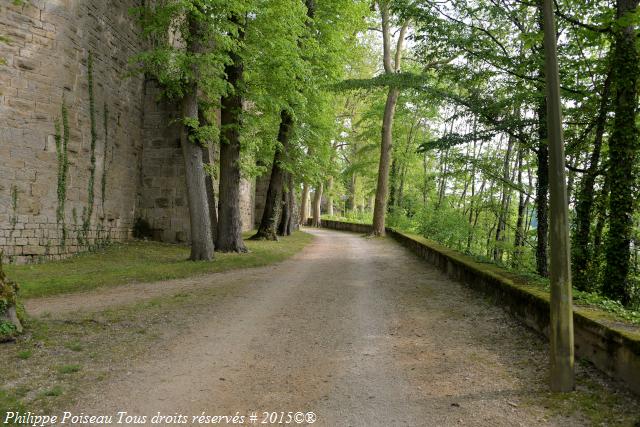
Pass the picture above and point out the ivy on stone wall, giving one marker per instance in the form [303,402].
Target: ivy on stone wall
[3,61]
[14,207]
[62,143]
[87,212]
[104,154]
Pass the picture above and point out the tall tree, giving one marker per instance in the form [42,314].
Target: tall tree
[183,60]
[582,248]
[623,152]
[561,300]
[392,63]
[195,176]
[229,233]
[271,214]
[267,230]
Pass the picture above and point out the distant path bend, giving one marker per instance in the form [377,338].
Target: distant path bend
[357,330]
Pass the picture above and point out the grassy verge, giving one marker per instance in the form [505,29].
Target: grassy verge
[59,359]
[141,261]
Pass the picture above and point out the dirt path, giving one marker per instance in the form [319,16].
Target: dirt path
[358,331]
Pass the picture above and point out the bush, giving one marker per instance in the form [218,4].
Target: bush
[444,225]
[11,312]
[399,219]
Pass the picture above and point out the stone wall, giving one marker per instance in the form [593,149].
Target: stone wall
[45,65]
[137,153]
[162,193]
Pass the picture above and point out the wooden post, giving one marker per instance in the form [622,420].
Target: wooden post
[562,375]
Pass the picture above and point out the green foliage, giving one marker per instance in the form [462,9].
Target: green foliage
[603,303]
[24,354]
[443,225]
[168,32]
[53,392]
[8,300]
[7,329]
[69,369]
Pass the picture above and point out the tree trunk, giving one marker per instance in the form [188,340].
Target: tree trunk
[391,65]
[330,197]
[293,218]
[623,153]
[393,184]
[504,204]
[208,157]
[520,222]
[602,203]
[229,236]
[304,204]
[442,186]
[317,202]
[351,201]
[285,217]
[403,173]
[561,319]
[382,188]
[195,177]
[273,203]
[581,248]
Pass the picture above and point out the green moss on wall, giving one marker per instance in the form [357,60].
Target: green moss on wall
[87,212]
[62,143]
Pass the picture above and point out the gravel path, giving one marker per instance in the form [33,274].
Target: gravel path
[357,330]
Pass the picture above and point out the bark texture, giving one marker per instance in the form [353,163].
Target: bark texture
[285,228]
[304,204]
[561,319]
[208,157]
[391,64]
[229,236]
[273,203]
[317,202]
[195,177]
[382,188]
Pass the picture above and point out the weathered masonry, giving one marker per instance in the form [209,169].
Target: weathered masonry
[64,188]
